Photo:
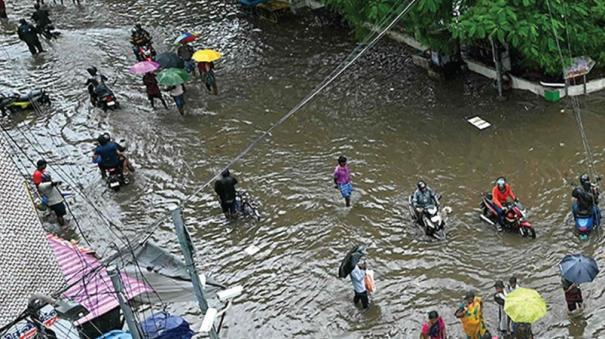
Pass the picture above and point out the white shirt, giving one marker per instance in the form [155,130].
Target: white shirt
[178,90]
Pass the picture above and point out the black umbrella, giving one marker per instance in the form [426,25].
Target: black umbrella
[169,60]
[351,260]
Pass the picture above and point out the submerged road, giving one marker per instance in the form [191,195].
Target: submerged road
[393,123]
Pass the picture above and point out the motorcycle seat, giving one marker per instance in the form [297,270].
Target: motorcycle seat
[27,97]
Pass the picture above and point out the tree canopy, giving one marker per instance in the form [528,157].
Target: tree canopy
[532,28]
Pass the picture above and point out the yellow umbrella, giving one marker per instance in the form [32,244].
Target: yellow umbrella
[206,55]
[524,305]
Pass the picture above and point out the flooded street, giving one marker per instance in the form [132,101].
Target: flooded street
[393,123]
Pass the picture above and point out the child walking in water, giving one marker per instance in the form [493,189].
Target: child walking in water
[342,179]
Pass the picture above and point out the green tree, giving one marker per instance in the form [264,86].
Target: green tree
[527,26]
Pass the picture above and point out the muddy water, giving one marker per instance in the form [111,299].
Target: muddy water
[394,125]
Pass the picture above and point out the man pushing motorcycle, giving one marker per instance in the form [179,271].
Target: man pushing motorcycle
[500,195]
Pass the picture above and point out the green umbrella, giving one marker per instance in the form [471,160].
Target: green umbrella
[172,77]
[524,305]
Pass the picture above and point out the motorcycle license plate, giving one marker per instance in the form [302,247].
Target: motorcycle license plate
[114,184]
[111,103]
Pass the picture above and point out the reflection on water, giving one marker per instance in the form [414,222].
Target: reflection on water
[394,125]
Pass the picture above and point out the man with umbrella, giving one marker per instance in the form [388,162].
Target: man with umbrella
[353,265]
[576,269]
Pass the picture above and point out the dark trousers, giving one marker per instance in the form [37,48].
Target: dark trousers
[159,96]
[33,45]
[363,296]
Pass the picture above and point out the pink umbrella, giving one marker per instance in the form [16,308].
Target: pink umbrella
[144,67]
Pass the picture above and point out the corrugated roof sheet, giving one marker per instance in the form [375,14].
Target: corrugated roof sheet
[27,263]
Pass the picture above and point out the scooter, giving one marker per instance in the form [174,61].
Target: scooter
[105,98]
[585,223]
[515,216]
[19,102]
[430,219]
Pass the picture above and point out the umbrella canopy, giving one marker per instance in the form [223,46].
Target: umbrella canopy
[169,60]
[351,260]
[206,55]
[186,37]
[578,268]
[172,77]
[144,67]
[525,305]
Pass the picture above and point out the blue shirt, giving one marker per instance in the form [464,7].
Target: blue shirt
[357,279]
[108,154]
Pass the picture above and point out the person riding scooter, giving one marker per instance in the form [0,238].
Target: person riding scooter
[423,197]
[585,202]
[92,83]
[106,155]
[500,194]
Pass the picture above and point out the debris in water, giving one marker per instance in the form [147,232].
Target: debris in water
[478,122]
[251,250]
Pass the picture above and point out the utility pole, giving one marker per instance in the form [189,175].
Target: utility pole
[114,274]
[188,250]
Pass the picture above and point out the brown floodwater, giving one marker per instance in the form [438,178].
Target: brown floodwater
[393,123]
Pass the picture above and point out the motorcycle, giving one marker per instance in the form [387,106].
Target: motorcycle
[145,52]
[115,178]
[245,207]
[48,32]
[105,98]
[515,216]
[585,222]
[430,219]
[19,102]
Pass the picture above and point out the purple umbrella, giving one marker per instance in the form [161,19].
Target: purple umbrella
[144,67]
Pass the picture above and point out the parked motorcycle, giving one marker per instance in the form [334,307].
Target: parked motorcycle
[19,102]
[430,219]
[515,216]
[245,207]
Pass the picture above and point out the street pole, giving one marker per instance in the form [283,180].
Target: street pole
[114,274]
[188,250]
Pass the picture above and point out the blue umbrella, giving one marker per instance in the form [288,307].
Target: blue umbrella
[578,268]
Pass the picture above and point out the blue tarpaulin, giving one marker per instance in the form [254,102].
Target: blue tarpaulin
[165,326]
[116,334]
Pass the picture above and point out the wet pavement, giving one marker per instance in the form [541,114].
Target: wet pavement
[392,122]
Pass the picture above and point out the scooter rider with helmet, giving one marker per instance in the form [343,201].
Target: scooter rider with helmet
[586,199]
[423,197]
[500,194]
[106,155]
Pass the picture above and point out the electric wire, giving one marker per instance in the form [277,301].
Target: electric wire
[339,70]
[575,104]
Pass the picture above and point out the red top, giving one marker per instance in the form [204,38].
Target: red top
[37,177]
[499,197]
